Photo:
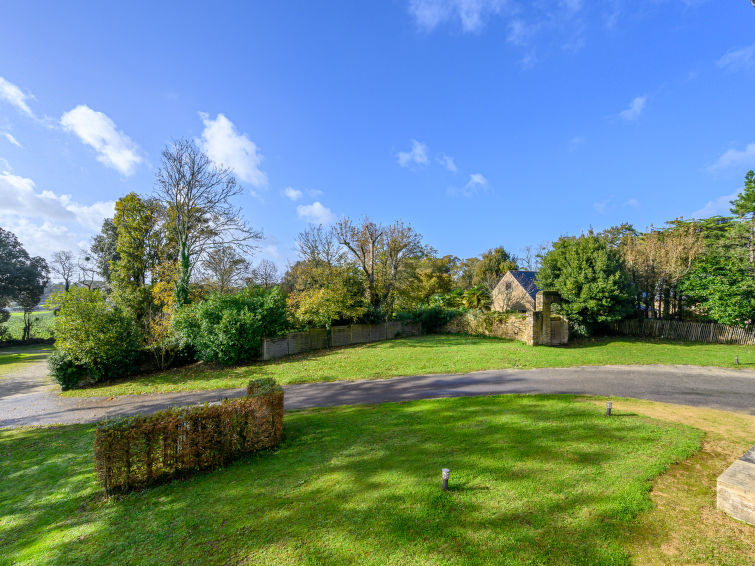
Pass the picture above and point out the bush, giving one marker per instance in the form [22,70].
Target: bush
[65,372]
[101,339]
[229,328]
[432,319]
[134,452]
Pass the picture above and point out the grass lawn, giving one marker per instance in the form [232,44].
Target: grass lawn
[21,357]
[42,327]
[428,354]
[534,479]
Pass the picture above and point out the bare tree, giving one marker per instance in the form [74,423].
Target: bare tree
[63,265]
[196,194]
[319,246]
[265,274]
[225,267]
[88,270]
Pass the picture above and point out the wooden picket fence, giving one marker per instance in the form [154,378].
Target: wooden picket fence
[710,332]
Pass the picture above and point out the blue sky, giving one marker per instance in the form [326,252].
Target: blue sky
[480,122]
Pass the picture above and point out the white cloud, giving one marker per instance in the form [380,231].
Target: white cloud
[448,162]
[225,146]
[46,222]
[15,97]
[737,59]
[719,206]
[292,193]
[417,155]
[476,183]
[8,136]
[315,213]
[114,148]
[471,14]
[635,108]
[736,158]
[633,202]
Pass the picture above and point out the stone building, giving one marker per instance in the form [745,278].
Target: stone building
[515,292]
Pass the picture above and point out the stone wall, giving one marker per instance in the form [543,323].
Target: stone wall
[735,488]
[318,338]
[514,326]
[527,328]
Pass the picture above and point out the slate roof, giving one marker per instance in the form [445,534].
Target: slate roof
[527,280]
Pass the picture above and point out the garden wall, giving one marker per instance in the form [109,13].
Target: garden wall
[136,452]
[319,339]
[710,332]
[527,328]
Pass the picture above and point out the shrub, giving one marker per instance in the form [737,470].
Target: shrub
[134,452]
[229,328]
[95,336]
[432,319]
[64,371]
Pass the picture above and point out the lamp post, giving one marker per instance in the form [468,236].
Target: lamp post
[609,406]
[445,472]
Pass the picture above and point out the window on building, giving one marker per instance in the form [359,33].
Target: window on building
[508,286]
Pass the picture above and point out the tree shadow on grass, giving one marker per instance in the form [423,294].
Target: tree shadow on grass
[533,480]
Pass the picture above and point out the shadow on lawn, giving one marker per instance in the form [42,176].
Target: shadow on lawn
[532,480]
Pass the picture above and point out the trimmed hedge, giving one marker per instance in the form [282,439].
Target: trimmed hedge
[135,452]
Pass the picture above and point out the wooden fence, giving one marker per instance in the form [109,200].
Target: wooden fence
[318,339]
[710,332]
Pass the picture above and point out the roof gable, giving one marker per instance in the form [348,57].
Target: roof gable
[527,280]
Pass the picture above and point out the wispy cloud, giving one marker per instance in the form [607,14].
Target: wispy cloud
[635,109]
[737,59]
[477,183]
[471,14]
[114,148]
[719,206]
[742,158]
[601,206]
[17,98]
[448,162]
[576,142]
[417,155]
[315,213]
[8,136]
[633,203]
[227,147]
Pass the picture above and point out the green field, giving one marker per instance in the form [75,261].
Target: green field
[21,358]
[534,479]
[42,327]
[427,355]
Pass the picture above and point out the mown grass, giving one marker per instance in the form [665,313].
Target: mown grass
[14,359]
[684,526]
[427,355]
[534,480]
[41,328]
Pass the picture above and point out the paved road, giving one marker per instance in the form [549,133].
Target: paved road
[29,398]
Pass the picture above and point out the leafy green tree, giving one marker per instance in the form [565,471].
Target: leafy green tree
[591,279]
[21,277]
[34,276]
[744,207]
[477,297]
[104,249]
[722,288]
[338,298]
[92,334]
[229,328]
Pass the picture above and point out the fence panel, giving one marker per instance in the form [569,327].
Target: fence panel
[710,332]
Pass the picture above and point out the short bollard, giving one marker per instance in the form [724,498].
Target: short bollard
[609,405]
[736,360]
[445,473]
